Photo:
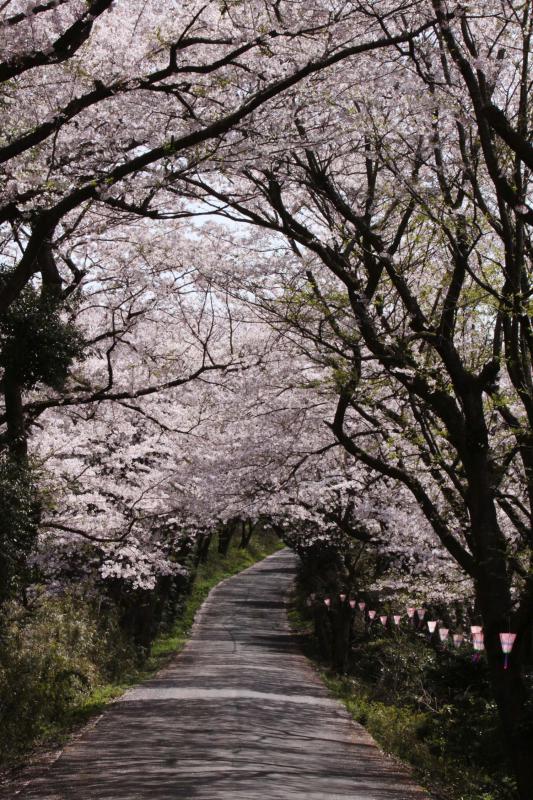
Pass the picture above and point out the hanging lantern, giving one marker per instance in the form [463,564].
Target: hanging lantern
[352,603]
[421,612]
[313,596]
[327,602]
[411,612]
[443,634]
[507,641]
[309,602]
[479,645]
[371,614]
[432,624]
[362,605]
[457,639]
[475,629]
[397,619]
[383,619]
[342,597]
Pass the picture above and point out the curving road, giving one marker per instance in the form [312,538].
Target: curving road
[239,715]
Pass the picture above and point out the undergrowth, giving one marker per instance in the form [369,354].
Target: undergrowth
[433,710]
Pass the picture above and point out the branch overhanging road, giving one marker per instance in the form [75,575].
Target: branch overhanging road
[239,715]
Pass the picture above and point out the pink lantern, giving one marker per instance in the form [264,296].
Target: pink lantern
[362,605]
[352,603]
[397,618]
[342,597]
[443,634]
[507,641]
[421,613]
[327,602]
[383,619]
[479,646]
[432,624]
[475,629]
[458,639]
[411,612]
[371,614]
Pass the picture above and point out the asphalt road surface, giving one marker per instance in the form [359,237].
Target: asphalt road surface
[240,714]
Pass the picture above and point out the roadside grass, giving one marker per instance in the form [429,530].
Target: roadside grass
[404,733]
[448,750]
[62,712]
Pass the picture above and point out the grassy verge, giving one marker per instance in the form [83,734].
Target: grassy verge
[393,690]
[87,704]
[404,733]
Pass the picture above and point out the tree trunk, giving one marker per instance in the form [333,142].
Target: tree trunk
[510,691]
[16,427]
[342,629]
[224,538]
[203,548]
[323,630]
[246,534]
[494,598]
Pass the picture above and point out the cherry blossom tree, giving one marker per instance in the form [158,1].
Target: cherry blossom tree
[107,438]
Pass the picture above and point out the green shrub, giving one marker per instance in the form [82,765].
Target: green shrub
[50,658]
[19,514]
[37,345]
[423,740]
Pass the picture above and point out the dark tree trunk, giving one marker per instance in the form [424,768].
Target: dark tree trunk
[16,427]
[341,640]
[510,690]
[323,630]
[224,538]
[246,534]
[494,599]
[203,548]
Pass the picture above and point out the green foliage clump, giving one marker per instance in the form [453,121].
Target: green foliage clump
[51,657]
[36,344]
[19,514]
[418,738]
[446,699]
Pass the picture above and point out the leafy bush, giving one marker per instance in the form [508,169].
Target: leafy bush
[445,699]
[19,513]
[417,738]
[50,659]
[36,344]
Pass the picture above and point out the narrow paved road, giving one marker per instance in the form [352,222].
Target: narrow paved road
[239,715]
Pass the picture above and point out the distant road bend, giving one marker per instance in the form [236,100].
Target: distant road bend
[239,715]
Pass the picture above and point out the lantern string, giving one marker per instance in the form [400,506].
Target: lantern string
[416,618]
